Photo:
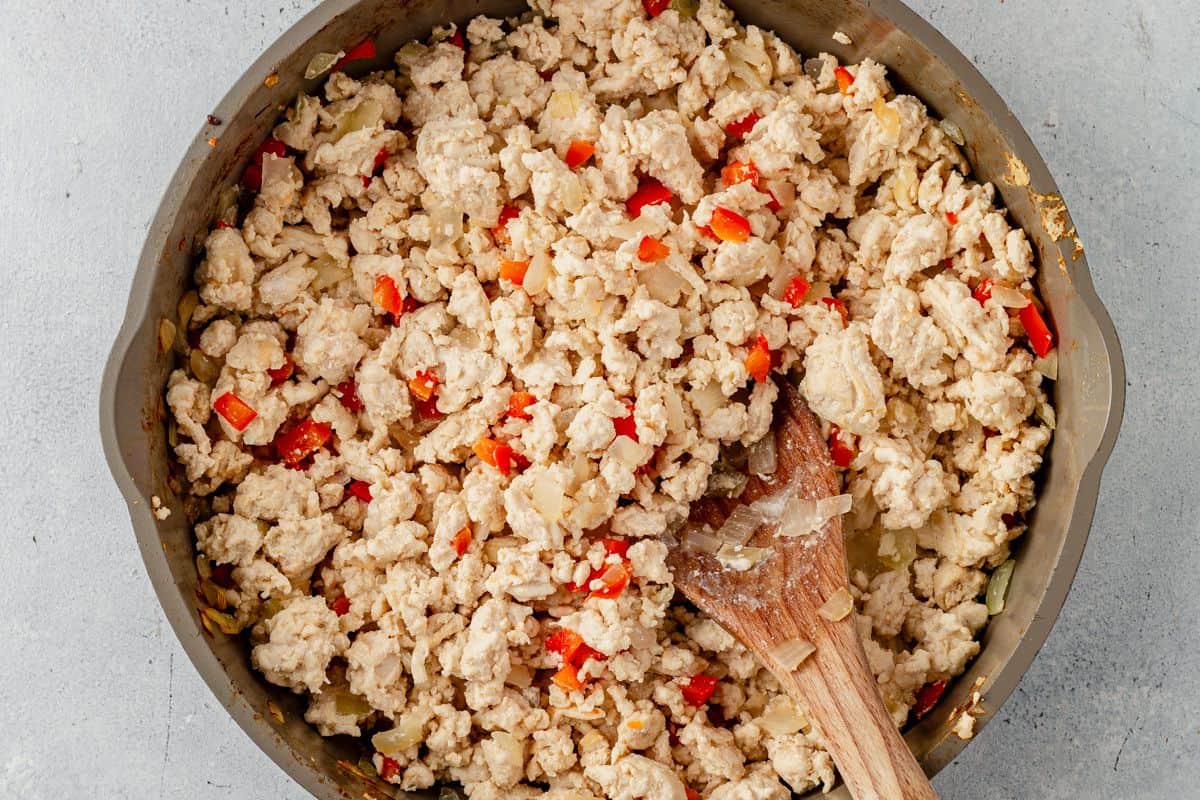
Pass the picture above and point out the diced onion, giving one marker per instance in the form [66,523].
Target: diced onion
[904,185]
[546,497]
[187,307]
[762,460]
[319,64]
[997,590]
[770,507]
[1008,296]
[1045,412]
[329,273]
[740,525]
[708,398]
[538,274]
[952,131]
[520,676]
[511,747]
[445,226]
[702,540]
[626,451]
[743,70]
[889,119]
[663,283]
[817,291]
[420,652]
[783,190]
[592,740]
[838,606]
[792,653]
[203,367]
[830,507]
[898,548]
[409,732]
[562,105]
[351,704]
[800,518]
[1048,365]
[781,718]
[367,114]
[740,557]
[724,483]
[166,335]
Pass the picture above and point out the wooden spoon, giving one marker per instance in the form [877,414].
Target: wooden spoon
[777,601]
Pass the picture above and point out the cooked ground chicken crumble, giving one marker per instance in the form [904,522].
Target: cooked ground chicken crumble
[493,319]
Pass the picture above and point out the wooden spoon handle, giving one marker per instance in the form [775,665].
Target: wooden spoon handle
[842,699]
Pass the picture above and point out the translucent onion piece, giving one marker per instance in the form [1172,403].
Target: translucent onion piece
[420,653]
[445,226]
[817,291]
[739,557]
[781,718]
[889,119]
[904,185]
[409,732]
[771,506]
[830,507]
[538,274]
[663,283]
[997,590]
[510,746]
[531,591]
[800,518]
[723,483]
[838,606]
[1048,366]
[763,459]
[166,335]
[367,114]
[626,451]
[563,105]
[1046,414]
[226,623]
[275,170]
[745,72]
[898,548]
[780,281]
[203,367]
[520,676]
[187,307]
[1009,297]
[740,525]
[952,131]
[203,567]
[792,653]
[321,63]
[784,191]
[351,704]
[686,8]
[329,273]
[591,741]
[571,193]
[708,398]
[546,497]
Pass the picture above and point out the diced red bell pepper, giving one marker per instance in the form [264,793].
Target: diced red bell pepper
[359,489]
[519,403]
[838,306]
[951,217]
[389,768]
[340,606]
[729,226]
[347,395]
[739,172]
[424,385]
[983,292]
[302,441]
[234,410]
[613,581]
[500,232]
[655,7]
[616,547]
[281,374]
[741,127]
[387,296]
[699,689]
[566,643]
[758,360]
[222,225]
[841,451]
[927,698]
[514,271]
[495,454]
[578,153]
[650,192]
[1040,336]
[707,233]
[462,540]
[457,40]
[844,79]
[427,409]
[380,159]
[567,678]
[626,425]
[651,250]
[1013,520]
[361,51]
[252,177]
[691,793]
[796,291]
[773,203]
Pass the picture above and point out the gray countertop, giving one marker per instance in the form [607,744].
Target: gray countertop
[101,97]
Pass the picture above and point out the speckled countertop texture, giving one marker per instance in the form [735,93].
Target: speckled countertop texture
[101,98]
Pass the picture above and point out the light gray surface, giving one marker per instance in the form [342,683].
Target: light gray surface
[101,98]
